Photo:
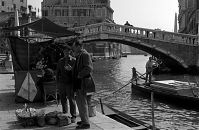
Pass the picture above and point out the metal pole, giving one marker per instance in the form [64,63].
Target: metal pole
[102,108]
[198,24]
[198,27]
[28,72]
[152,110]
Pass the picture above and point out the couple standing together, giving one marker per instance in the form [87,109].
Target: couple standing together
[74,81]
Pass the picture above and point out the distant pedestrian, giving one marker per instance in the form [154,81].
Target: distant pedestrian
[149,69]
[83,82]
[64,82]
[127,29]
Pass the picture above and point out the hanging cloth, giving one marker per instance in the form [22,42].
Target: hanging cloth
[28,89]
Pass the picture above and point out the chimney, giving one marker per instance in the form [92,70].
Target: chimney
[175,24]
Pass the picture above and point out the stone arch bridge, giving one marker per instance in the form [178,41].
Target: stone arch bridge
[179,52]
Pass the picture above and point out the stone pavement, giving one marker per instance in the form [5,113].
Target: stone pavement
[8,106]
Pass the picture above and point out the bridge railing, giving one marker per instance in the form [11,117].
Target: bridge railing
[132,31]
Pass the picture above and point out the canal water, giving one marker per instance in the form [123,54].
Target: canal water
[110,75]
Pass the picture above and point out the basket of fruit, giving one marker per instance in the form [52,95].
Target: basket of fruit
[26,116]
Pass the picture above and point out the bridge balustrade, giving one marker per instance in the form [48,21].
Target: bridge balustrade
[138,32]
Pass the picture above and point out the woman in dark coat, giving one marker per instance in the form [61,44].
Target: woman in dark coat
[64,82]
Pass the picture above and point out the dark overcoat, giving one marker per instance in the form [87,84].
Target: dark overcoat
[64,77]
[82,72]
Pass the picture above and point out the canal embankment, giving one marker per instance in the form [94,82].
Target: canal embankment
[8,106]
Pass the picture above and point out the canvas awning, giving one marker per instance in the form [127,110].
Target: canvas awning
[45,26]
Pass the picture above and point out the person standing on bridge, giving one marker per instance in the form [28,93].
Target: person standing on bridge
[149,69]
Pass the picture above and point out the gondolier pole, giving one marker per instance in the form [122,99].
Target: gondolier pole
[152,110]
[198,24]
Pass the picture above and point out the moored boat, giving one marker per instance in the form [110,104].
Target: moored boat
[181,93]
[125,119]
[124,55]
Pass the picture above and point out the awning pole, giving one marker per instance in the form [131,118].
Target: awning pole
[152,111]
[28,71]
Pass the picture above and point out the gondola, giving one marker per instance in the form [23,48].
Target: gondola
[181,93]
[123,118]
[124,55]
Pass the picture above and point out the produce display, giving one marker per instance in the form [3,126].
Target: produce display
[30,112]
[26,112]
[32,117]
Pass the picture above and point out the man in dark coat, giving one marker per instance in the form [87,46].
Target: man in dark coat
[83,82]
[64,82]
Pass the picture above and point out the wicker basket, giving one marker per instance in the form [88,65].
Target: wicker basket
[26,121]
[51,118]
[26,117]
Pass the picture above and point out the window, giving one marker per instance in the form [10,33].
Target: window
[103,12]
[23,9]
[57,12]
[190,4]
[65,12]
[44,12]
[98,12]
[89,12]
[81,12]
[74,12]
[14,6]
[2,3]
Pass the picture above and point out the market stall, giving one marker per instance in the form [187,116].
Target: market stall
[27,53]
[25,57]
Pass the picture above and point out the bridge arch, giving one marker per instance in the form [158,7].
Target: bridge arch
[179,51]
[164,55]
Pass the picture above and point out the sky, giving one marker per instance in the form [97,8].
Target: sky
[151,14]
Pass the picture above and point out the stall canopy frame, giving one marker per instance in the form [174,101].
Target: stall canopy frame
[47,27]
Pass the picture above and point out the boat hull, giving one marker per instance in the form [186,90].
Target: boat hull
[169,97]
[123,118]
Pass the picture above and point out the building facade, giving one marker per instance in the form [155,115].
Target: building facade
[7,8]
[11,5]
[74,13]
[7,14]
[188,17]
[77,12]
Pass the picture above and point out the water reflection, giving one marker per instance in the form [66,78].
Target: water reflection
[110,75]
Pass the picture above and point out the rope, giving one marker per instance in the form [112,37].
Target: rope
[130,81]
[192,90]
[106,96]
[116,90]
